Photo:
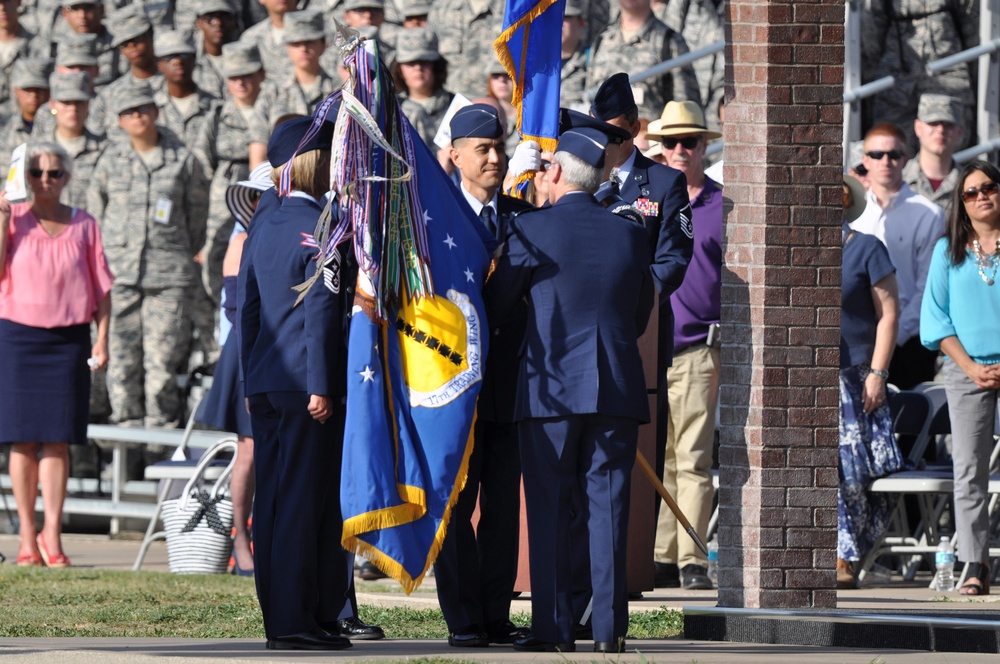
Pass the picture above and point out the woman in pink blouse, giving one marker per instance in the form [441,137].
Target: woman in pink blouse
[54,281]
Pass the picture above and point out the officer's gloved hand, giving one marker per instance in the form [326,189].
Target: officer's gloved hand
[527,157]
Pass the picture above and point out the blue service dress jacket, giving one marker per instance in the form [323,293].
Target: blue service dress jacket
[660,194]
[580,352]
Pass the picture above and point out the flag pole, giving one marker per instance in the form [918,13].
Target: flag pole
[640,460]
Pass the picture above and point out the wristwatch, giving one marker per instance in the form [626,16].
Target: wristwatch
[881,373]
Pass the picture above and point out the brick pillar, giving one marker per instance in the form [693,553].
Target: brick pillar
[781,304]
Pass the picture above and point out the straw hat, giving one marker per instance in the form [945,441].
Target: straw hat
[680,119]
[859,196]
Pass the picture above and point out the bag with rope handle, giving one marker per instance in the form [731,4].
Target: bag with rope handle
[199,523]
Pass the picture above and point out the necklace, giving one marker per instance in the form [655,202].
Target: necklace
[984,261]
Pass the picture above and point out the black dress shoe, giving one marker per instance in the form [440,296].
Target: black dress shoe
[666,575]
[610,646]
[352,628]
[369,572]
[317,639]
[504,631]
[472,636]
[695,577]
[531,644]
[584,632]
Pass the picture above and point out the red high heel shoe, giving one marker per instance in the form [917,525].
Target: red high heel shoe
[29,560]
[51,561]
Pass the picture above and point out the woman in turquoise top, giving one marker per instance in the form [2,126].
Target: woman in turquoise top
[960,315]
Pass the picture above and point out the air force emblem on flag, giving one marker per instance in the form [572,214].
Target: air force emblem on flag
[684,217]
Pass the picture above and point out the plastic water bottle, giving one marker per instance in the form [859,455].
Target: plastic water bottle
[944,580]
[713,561]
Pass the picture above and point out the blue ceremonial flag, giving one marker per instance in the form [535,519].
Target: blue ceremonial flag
[530,48]
[413,375]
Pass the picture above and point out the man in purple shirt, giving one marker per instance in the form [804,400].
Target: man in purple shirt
[693,380]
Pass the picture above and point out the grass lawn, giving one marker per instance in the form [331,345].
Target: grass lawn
[81,602]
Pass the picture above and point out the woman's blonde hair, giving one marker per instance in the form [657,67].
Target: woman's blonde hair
[310,173]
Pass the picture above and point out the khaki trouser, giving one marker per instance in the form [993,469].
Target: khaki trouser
[692,393]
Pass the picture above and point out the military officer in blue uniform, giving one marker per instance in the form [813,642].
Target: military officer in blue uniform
[660,194]
[294,374]
[476,569]
[584,273]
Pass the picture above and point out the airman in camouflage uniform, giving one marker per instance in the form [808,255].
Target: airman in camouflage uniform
[183,105]
[18,47]
[30,80]
[939,129]
[304,30]
[574,55]
[150,195]
[76,54]
[652,43]
[900,37]
[86,18]
[267,37]
[216,26]
[70,97]
[418,47]
[133,34]
[700,23]
[222,148]
[466,30]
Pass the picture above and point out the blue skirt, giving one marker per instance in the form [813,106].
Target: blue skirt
[224,406]
[44,383]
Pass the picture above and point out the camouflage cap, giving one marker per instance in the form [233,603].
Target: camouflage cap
[76,50]
[215,6]
[304,25]
[31,73]
[939,108]
[574,8]
[74,3]
[173,42]
[414,7]
[364,4]
[493,64]
[416,44]
[70,87]
[128,24]
[855,151]
[239,59]
[132,95]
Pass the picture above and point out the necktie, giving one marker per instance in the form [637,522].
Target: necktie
[486,215]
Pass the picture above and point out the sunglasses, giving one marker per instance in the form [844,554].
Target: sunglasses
[987,189]
[688,143]
[894,155]
[37,173]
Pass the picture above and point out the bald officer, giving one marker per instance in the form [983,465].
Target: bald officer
[476,569]
[580,391]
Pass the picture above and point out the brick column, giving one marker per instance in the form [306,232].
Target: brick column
[781,304]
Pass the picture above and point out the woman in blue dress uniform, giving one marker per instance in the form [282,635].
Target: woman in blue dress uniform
[293,367]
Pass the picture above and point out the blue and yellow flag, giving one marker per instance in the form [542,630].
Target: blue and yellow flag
[530,48]
[414,374]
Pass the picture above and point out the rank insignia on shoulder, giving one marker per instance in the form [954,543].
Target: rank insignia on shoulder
[647,207]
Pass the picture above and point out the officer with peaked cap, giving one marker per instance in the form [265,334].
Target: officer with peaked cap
[581,393]
[475,570]
[660,194]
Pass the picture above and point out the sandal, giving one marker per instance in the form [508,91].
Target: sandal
[977,580]
[50,561]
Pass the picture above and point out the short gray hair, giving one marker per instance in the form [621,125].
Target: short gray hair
[38,148]
[579,173]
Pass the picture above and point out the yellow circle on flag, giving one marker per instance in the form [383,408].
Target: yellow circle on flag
[433,338]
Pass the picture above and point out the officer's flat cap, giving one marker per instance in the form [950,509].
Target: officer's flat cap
[613,98]
[476,121]
[570,119]
[586,144]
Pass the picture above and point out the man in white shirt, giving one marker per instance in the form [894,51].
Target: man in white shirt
[909,225]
